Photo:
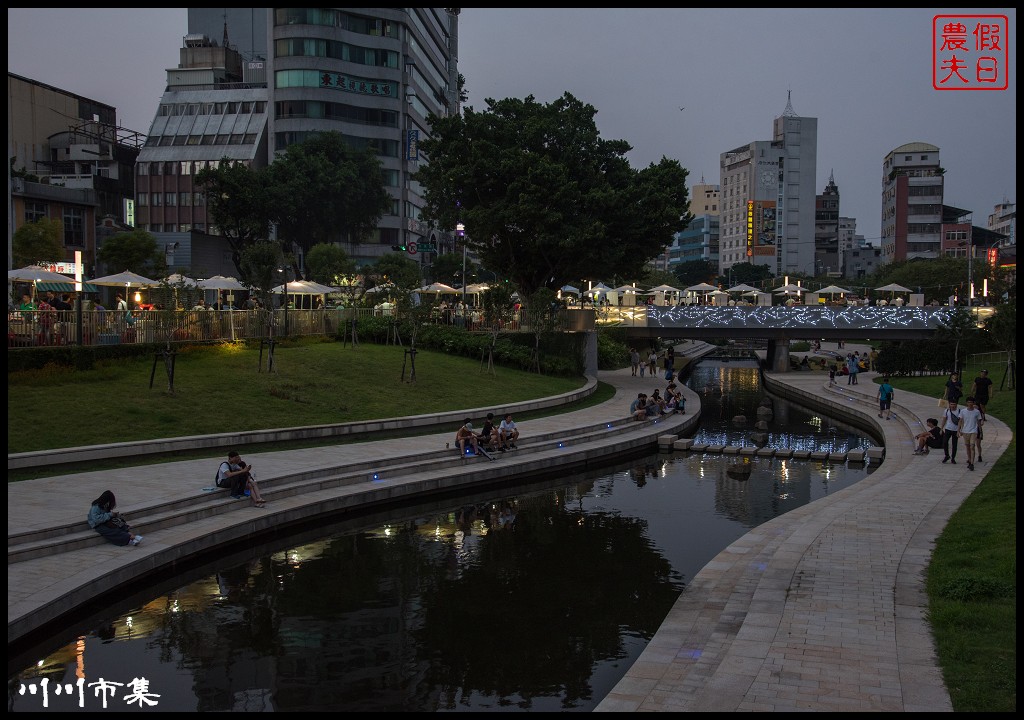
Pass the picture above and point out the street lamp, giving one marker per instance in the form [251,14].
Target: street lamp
[284,287]
[460,232]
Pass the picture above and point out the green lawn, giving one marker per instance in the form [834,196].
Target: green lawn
[220,389]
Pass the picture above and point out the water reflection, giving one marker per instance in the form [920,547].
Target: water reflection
[731,393]
[529,598]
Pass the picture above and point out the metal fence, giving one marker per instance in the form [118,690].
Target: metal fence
[42,328]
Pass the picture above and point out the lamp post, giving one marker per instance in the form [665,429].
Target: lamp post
[460,232]
[284,287]
[970,271]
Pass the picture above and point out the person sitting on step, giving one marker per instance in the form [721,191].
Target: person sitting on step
[508,432]
[465,437]
[488,437]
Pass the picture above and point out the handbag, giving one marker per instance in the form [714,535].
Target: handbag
[116,521]
[943,403]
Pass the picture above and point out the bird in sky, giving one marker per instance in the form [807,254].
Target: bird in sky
[682,108]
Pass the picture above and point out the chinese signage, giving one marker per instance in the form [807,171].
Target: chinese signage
[413,145]
[341,81]
[970,52]
[761,227]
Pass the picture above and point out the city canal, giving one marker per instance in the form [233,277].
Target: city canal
[532,598]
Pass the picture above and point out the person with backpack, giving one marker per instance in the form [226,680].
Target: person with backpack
[950,431]
[885,395]
[236,475]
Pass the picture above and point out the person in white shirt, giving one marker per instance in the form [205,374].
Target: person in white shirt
[968,428]
[950,431]
[508,433]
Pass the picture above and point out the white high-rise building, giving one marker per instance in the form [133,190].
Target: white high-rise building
[768,193]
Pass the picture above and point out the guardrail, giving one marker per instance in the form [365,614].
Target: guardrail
[43,328]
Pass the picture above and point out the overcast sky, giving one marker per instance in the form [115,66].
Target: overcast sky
[865,74]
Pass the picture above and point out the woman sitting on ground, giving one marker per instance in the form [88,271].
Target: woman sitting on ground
[108,523]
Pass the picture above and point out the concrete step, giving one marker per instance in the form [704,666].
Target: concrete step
[441,465]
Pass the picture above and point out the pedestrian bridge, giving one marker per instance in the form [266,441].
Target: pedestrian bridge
[778,324]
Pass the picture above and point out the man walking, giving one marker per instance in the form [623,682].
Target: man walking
[970,423]
[885,395]
[980,391]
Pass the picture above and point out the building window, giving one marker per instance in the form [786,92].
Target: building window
[156,199]
[142,199]
[142,168]
[170,199]
[74,226]
[184,199]
[186,167]
[35,211]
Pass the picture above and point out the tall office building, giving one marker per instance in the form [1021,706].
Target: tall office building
[282,74]
[828,253]
[768,191]
[912,192]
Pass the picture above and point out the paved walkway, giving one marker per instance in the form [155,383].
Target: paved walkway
[820,609]
[823,608]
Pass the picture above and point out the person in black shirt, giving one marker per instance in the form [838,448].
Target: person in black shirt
[954,389]
[488,436]
[980,391]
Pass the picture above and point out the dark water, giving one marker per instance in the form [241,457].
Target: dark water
[526,598]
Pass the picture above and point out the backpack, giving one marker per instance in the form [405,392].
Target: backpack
[227,482]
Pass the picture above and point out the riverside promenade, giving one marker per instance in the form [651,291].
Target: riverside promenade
[820,609]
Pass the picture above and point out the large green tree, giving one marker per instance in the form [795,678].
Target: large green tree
[39,241]
[327,263]
[543,198]
[694,272]
[136,251]
[238,203]
[322,189]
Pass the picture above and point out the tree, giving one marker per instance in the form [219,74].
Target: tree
[750,273]
[259,265]
[36,242]
[937,278]
[447,268]
[1002,326]
[135,250]
[238,204]
[497,304]
[543,198]
[400,271]
[653,278]
[323,190]
[694,272]
[326,263]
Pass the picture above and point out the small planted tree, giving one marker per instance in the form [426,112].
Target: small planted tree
[497,303]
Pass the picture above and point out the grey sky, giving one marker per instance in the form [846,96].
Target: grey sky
[865,74]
